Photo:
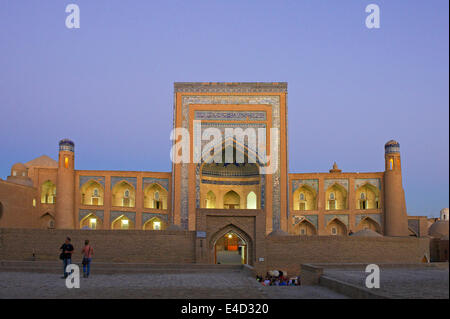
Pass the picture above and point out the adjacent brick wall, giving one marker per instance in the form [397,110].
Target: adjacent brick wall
[281,252]
[109,246]
[288,252]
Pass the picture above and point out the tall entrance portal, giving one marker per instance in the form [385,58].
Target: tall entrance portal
[230,249]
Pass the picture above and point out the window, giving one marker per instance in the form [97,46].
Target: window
[333,231]
[156,225]
[66,162]
[391,164]
[95,192]
[157,195]
[126,198]
[363,196]
[93,223]
[302,231]
[302,206]
[34,202]
[124,224]
[251,201]
[302,196]
[14,173]
[332,196]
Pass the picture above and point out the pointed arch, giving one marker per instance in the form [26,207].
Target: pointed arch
[47,221]
[336,227]
[305,202]
[305,228]
[231,200]
[91,221]
[210,201]
[154,223]
[48,192]
[155,196]
[92,193]
[336,197]
[252,200]
[369,223]
[122,223]
[367,196]
[123,194]
[231,228]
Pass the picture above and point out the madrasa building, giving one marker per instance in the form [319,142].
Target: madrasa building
[231,209]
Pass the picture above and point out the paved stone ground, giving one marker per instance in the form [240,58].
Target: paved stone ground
[401,283]
[227,285]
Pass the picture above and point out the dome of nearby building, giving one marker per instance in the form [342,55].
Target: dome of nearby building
[18,169]
[366,233]
[439,229]
[42,161]
[19,175]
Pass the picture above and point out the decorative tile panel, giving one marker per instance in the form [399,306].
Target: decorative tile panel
[116,214]
[163,182]
[313,219]
[147,216]
[85,179]
[313,183]
[118,179]
[82,213]
[360,217]
[230,115]
[373,181]
[341,181]
[343,218]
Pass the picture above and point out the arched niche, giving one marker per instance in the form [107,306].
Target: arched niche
[304,198]
[336,197]
[92,193]
[123,195]
[48,193]
[155,197]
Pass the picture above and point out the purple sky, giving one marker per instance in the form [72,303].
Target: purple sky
[109,85]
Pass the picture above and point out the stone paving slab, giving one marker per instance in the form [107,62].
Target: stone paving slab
[226,285]
[419,283]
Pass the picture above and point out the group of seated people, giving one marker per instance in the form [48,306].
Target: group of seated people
[278,278]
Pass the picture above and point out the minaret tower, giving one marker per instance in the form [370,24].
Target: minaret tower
[65,185]
[395,217]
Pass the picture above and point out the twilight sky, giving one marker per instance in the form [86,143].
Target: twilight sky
[109,85]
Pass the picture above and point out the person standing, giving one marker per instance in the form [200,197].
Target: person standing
[66,255]
[87,253]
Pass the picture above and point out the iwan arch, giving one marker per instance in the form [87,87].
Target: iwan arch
[231,207]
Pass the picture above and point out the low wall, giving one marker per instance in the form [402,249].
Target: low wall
[109,246]
[289,252]
[281,252]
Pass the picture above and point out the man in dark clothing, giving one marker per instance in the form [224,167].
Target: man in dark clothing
[67,251]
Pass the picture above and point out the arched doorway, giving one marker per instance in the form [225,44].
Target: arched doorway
[231,249]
